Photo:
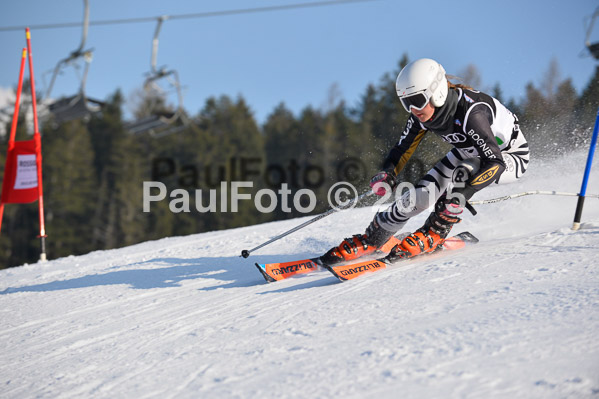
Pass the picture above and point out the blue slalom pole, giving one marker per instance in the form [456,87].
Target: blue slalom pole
[585,179]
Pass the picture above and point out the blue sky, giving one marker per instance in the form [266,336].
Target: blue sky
[295,56]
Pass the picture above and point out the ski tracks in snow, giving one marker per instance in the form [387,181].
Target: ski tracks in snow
[175,318]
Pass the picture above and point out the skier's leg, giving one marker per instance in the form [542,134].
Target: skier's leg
[390,221]
[452,168]
[445,214]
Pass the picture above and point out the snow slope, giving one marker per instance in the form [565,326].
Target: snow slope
[515,316]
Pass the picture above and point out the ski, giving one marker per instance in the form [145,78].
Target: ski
[273,272]
[279,271]
[350,271]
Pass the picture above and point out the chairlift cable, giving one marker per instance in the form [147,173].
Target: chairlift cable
[186,16]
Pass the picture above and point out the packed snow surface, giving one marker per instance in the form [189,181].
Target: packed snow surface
[516,316]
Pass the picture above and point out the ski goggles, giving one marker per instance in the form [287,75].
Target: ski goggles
[416,101]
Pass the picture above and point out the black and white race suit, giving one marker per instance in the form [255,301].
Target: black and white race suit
[488,148]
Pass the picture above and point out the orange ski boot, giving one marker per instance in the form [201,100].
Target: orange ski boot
[358,245]
[431,236]
[422,241]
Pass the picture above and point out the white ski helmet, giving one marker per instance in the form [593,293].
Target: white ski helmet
[420,81]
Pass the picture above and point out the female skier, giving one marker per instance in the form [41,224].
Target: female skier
[488,148]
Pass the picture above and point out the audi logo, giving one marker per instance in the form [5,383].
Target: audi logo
[454,138]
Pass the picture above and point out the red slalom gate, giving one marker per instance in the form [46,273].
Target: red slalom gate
[22,181]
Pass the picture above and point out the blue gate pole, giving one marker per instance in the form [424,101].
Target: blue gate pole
[585,179]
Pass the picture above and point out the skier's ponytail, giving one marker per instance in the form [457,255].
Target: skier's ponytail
[452,85]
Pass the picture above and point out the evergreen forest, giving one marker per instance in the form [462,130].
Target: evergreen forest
[94,169]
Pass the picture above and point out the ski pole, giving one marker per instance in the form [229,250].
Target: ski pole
[246,252]
[512,196]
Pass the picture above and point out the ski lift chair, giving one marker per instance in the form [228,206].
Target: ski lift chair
[592,47]
[160,122]
[78,106]
[74,107]
[594,50]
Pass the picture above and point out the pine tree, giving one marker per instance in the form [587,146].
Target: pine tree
[587,108]
[280,135]
[546,113]
[470,76]
[497,93]
[346,148]
[564,107]
[120,166]
[281,146]
[381,117]
[69,188]
[235,139]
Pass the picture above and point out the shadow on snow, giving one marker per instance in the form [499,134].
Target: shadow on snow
[231,272]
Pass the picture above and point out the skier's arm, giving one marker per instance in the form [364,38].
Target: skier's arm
[492,165]
[400,153]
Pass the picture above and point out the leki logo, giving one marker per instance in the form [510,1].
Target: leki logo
[454,138]
[488,175]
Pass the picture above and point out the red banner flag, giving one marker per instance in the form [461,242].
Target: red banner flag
[20,183]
